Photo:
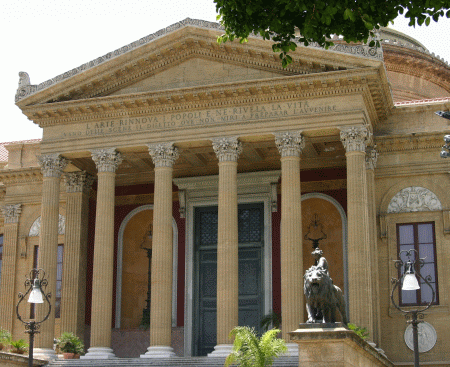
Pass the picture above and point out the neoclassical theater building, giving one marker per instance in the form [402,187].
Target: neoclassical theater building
[181,185]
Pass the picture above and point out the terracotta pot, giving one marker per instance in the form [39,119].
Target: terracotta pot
[1,346]
[17,351]
[71,356]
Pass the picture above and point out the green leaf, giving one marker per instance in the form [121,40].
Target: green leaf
[427,21]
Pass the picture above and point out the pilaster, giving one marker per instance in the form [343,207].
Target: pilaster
[8,295]
[227,151]
[78,185]
[52,166]
[290,145]
[107,161]
[355,139]
[164,157]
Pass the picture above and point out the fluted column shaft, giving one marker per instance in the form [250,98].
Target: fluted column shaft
[52,166]
[371,160]
[8,293]
[107,161]
[73,287]
[290,145]
[227,151]
[163,156]
[359,276]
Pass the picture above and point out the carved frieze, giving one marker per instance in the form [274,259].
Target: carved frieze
[355,138]
[414,199]
[52,165]
[227,149]
[35,230]
[78,181]
[106,160]
[163,154]
[12,213]
[290,143]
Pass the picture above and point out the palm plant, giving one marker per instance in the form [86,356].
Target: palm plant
[251,351]
[5,338]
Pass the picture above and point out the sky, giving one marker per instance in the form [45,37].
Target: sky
[46,38]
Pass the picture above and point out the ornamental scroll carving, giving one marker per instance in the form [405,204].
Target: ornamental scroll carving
[290,143]
[52,165]
[106,160]
[12,213]
[78,181]
[35,229]
[414,199]
[227,149]
[355,138]
[163,154]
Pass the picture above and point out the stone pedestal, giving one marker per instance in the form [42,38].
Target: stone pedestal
[332,345]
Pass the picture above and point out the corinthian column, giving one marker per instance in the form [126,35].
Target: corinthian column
[354,140]
[290,145]
[371,162]
[227,151]
[11,214]
[78,185]
[107,161]
[52,166]
[163,156]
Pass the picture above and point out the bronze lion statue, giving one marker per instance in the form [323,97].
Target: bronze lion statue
[323,298]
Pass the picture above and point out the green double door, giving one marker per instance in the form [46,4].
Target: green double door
[251,290]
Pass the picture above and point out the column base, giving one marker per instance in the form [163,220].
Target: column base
[159,351]
[99,353]
[221,350]
[44,353]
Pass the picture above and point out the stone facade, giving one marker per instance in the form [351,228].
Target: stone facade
[139,140]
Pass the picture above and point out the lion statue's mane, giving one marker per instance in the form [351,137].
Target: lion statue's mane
[323,298]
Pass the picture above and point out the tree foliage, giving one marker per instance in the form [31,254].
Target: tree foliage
[318,20]
[251,351]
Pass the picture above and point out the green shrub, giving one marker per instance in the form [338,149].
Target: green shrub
[5,338]
[251,351]
[19,346]
[70,343]
[361,331]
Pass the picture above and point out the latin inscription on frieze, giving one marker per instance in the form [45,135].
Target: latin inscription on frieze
[210,117]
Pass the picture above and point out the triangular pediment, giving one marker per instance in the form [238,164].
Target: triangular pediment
[197,72]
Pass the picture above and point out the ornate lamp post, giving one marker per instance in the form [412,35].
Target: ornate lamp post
[147,246]
[409,271]
[35,284]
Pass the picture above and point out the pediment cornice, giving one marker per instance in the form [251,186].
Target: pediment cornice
[369,82]
[20,176]
[175,44]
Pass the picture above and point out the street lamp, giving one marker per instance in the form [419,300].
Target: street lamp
[409,272]
[35,284]
[445,152]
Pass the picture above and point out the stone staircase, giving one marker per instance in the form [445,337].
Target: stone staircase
[172,362]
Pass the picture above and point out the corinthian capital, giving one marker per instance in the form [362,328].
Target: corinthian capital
[371,157]
[52,165]
[78,181]
[355,138]
[163,154]
[290,143]
[106,160]
[11,213]
[227,149]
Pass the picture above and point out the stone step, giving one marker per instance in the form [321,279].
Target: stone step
[156,362]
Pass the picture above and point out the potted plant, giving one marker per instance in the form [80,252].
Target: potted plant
[19,346]
[251,351]
[70,345]
[5,338]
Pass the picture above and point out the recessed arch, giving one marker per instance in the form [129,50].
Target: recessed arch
[122,227]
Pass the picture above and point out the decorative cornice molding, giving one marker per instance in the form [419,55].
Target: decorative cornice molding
[11,213]
[52,165]
[163,154]
[371,157]
[290,143]
[21,176]
[78,181]
[409,142]
[106,159]
[355,138]
[227,149]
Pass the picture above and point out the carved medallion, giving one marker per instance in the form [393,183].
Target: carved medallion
[414,199]
[427,337]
